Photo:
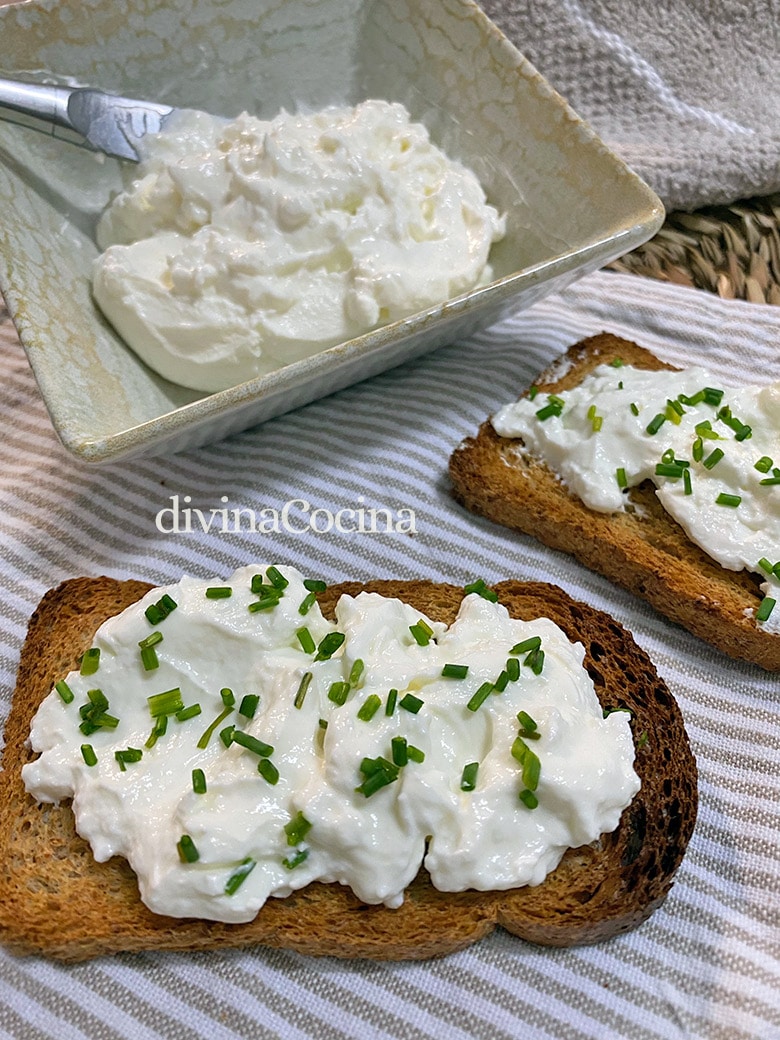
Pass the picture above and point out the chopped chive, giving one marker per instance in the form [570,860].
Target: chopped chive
[617,362]
[725,499]
[392,697]
[90,662]
[268,771]
[307,603]
[239,875]
[97,698]
[303,689]
[712,396]
[276,578]
[528,724]
[410,703]
[198,781]
[297,829]
[256,584]
[246,740]
[159,611]
[532,643]
[528,761]
[501,682]
[219,592]
[228,697]
[455,671]
[764,464]
[765,609]
[765,565]
[634,408]
[291,862]
[88,754]
[422,632]
[769,480]
[369,708]
[687,486]
[267,603]
[338,692]
[190,712]
[187,851]
[159,729]
[149,658]
[532,392]
[151,640]
[513,669]
[226,735]
[697,450]
[713,458]
[64,691]
[356,671]
[166,703]
[329,645]
[671,470]
[314,585]
[378,773]
[535,661]
[620,476]
[705,431]
[481,589]
[655,424]
[206,735]
[248,705]
[675,406]
[548,410]
[323,723]
[400,753]
[481,695]
[128,755]
[414,753]
[468,778]
[529,799]
[306,640]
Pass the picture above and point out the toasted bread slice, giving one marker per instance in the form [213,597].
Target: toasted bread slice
[645,551]
[57,901]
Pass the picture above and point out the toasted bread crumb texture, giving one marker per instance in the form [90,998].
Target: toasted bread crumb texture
[644,550]
[57,901]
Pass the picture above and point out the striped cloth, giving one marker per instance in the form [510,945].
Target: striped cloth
[706,965]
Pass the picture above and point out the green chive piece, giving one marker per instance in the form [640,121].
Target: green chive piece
[206,736]
[306,640]
[481,695]
[769,480]
[533,643]
[190,712]
[481,589]
[226,735]
[725,499]
[513,669]
[705,431]
[248,706]
[151,640]
[297,829]
[267,603]
[268,771]
[422,632]
[528,724]
[149,658]
[64,691]
[529,799]
[765,565]
[303,689]
[128,755]
[617,362]
[187,851]
[763,613]
[307,603]
[400,752]
[697,450]
[246,740]
[291,862]
[198,781]
[529,762]
[369,708]
[687,486]
[553,407]
[712,396]
[338,693]
[159,729]
[468,778]
[634,408]
[329,645]
[655,424]
[410,703]
[455,671]
[621,478]
[501,682]
[671,470]
[276,578]
[535,661]
[90,662]
[414,753]
[356,671]
[89,756]
[378,773]
[219,592]
[314,585]
[239,875]
[159,611]
[228,697]
[764,464]
[392,697]
[166,703]
[713,458]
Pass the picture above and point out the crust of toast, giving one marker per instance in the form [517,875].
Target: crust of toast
[645,551]
[57,901]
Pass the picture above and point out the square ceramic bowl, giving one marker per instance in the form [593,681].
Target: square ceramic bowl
[571,205]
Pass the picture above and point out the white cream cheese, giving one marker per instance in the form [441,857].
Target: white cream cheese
[485,838]
[237,247]
[599,444]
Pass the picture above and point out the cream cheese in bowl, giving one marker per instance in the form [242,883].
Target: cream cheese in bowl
[238,247]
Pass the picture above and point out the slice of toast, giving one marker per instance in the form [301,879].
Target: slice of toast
[57,901]
[645,551]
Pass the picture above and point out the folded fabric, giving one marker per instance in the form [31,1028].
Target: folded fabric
[687,94]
